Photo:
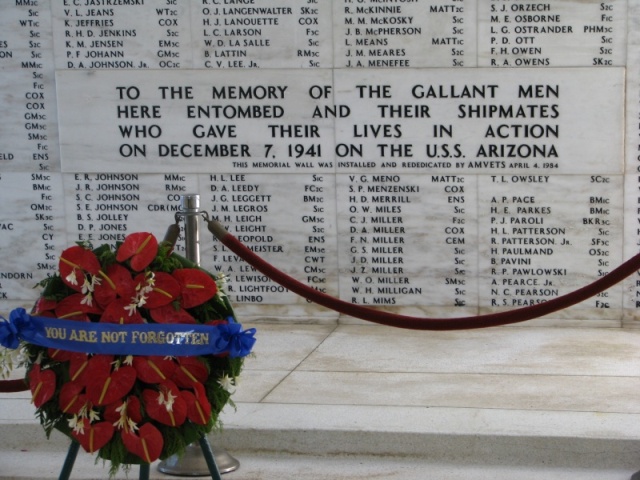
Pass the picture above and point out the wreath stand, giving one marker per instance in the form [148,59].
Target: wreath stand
[174,465]
[144,467]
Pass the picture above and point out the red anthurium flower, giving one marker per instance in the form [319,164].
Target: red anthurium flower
[157,291]
[139,248]
[105,390]
[154,369]
[116,282]
[165,405]
[171,313]
[71,398]
[64,355]
[75,307]
[146,444]
[92,437]
[198,406]
[78,364]
[217,322]
[74,263]
[189,371]
[196,286]
[42,384]
[44,307]
[121,311]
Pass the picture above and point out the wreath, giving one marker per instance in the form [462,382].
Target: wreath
[132,408]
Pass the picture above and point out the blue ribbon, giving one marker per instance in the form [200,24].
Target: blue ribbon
[234,340]
[177,340]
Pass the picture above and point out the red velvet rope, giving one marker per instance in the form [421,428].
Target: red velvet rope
[10,386]
[403,321]
[419,323]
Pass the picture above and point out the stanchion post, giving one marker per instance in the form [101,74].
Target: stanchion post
[197,460]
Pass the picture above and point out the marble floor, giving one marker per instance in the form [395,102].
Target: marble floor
[355,401]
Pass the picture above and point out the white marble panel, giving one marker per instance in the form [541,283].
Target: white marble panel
[481,120]
[32,233]
[288,221]
[547,235]
[106,207]
[506,350]
[552,34]
[196,121]
[151,34]
[28,112]
[251,34]
[368,34]
[632,166]
[514,392]
[430,150]
[408,240]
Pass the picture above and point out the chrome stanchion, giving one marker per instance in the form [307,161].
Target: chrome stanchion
[195,463]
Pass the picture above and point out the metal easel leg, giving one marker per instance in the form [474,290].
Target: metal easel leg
[144,471]
[208,456]
[72,453]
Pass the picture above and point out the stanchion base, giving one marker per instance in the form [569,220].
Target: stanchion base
[193,463]
[636,476]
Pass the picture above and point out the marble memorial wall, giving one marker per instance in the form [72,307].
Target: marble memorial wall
[438,158]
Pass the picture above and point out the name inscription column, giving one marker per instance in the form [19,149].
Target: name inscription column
[250,34]
[632,167]
[28,133]
[31,222]
[405,34]
[407,241]
[123,35]
[551,34]
[293,229]
[542,243]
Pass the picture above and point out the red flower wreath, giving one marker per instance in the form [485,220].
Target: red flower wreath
[130,409]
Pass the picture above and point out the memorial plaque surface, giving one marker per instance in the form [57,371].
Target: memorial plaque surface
[551,34]
[121,35]
[280,34]
[439,158]
[193,122]
[482,120]
[375,34]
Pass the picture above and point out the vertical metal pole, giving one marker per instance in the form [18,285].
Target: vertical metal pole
[197,462]
[190,209]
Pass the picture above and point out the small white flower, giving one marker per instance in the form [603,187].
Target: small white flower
[71,278]
[77,424]
[227,382]
[87,300]
[94,415]
[167,401]
[122,421]
[131,308]
[141,301]
[133,426]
